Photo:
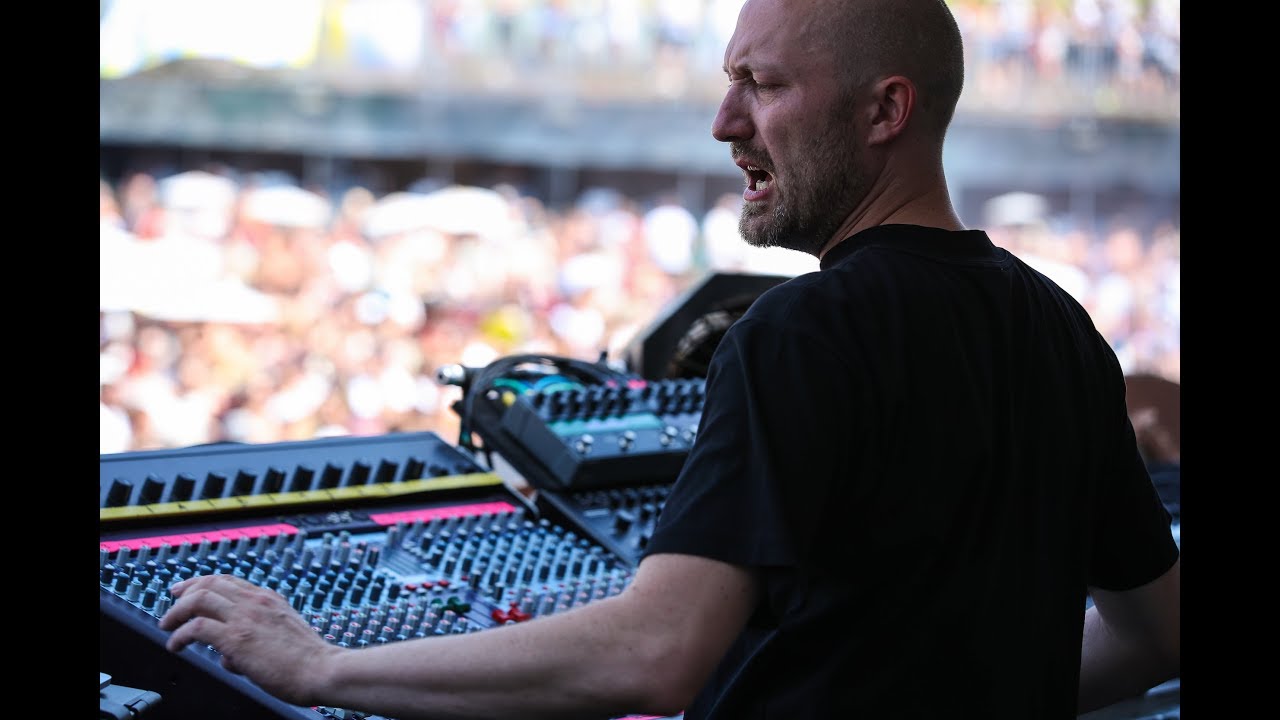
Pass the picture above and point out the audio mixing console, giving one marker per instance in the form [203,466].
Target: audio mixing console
[373,540]
[602,451]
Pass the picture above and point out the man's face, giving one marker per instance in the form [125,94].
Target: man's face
[788,130]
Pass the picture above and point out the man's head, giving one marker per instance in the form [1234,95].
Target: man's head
[832,104]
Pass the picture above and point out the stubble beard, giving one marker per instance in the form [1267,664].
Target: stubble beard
[825,188]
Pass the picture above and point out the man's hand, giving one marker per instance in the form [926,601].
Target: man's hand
[255,630]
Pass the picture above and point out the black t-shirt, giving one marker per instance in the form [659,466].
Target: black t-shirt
[924,449]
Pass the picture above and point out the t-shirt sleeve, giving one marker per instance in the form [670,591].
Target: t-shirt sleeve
[1132,542]
[757,478]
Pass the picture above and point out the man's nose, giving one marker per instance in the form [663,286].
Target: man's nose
[732,122]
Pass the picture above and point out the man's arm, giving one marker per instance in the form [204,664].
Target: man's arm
[648,649]
[1131,641]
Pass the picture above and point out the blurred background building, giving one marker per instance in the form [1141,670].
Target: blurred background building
[309,205]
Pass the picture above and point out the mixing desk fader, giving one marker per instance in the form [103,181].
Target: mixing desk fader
[430,546]
[619,518]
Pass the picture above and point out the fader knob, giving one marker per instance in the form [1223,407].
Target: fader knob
[273,481]
[119,492]
[183,486]
[302,478]
[413,469]
[386,472]
[330,477]
[243,484]
[152,489]
[623,521]
[214,484]
[359,474]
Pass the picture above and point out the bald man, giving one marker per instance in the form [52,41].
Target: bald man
[913,465]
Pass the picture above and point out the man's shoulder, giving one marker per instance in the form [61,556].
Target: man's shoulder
[781,301]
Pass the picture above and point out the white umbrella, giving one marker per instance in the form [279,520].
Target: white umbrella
[457,210]
[399,212]
[198,203]
[225,301]
[175,280]
[197,189]
[287,206]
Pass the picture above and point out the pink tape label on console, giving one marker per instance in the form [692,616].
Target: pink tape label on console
[428,514]
[251,532]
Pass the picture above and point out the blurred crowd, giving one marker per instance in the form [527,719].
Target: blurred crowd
[1020,53]
[242,307]
[1051,56]
[1131,44]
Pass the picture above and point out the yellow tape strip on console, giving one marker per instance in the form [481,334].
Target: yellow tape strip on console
[301,497]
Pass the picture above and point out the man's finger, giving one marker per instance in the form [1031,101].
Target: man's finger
[196,602]
[199,629]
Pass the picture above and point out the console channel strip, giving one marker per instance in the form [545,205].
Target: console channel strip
[609,434]
[459,554]
[621,518]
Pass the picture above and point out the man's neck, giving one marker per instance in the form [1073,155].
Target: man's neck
[926,209]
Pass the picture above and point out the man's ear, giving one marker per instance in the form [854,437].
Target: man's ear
[893,103]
